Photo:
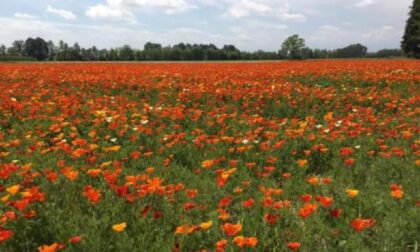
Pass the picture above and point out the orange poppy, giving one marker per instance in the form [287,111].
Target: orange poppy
[232,229]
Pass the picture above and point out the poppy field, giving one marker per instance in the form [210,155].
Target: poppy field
[271,156]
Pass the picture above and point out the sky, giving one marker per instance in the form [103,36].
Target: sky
[249,24]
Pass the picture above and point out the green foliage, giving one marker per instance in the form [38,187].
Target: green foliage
[388,53]
[352,51]
[411,38]
[293,47]
[36,48]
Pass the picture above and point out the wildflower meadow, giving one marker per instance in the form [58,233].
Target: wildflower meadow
[269,156]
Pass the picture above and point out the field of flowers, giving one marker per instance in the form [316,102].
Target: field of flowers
[307,156]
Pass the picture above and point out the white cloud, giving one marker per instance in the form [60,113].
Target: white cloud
[124,9]
[101,11]
[246,8]
[169,6]
[24,16]
[67,15]
[364,3]
[87,35]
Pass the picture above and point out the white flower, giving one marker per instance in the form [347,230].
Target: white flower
[113,139]
[319,126]
[245,141]
[144,121]
[109,119]
[357,146]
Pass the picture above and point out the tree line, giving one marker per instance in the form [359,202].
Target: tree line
[292,48]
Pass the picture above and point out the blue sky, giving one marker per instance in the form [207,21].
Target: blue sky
[248,24]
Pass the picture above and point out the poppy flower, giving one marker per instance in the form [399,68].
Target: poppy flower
[5,235]
[191,193]
[248,203]
[397,194]
[225,201]
[48,248]
[232,229]
[335,213]
[92,194]
[114,148]
[206,225]
[119,227]
[75,239]
[307,210]
[13,189]
[241,241]
[271,218]
[221,245]
[186,229]
[352,192]
[302,162]
[293,245]
[360,224]
[207,164]
[396,191]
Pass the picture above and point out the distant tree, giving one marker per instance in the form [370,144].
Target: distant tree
[292,47]
[52,50]
[307,53]
[153,51]
[152,46]
[319,54]
[12,51]
[180,46]
[126,53]
[352,51]
[63,52]
[230,52]
[37,48]
[386,53]
[103,55]
[19,46]
[112,55]
[2,50]
[411,38]
[75,52]
[94,53]
[230,48]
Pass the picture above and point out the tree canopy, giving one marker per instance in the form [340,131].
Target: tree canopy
[352,51]
[293,47]
[411,38]
[36,48]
